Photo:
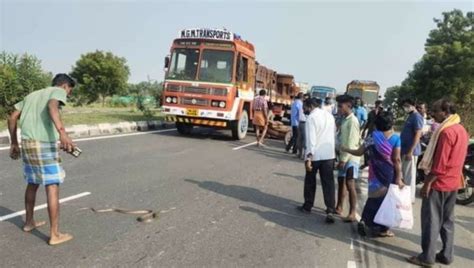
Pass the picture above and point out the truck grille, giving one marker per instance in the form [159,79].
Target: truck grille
[194,101]
[197,90]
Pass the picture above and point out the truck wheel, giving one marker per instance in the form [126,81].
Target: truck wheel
[240,127]
[184,129]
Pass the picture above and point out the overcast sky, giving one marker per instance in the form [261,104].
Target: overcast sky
[322,43]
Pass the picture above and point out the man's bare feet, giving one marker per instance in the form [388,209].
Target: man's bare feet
[59,239]
[31,226]
[339,211]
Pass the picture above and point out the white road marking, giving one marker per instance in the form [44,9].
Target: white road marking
[351,264]
[243,146]
[352,244]
[20,213]
[112,136]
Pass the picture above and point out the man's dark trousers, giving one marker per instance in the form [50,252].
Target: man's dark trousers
[437,219]
[326,173]
[294,138]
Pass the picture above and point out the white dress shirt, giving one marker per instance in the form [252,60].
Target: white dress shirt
[320,135]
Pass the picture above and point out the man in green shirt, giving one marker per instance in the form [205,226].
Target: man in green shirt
[348,167]
[41,127]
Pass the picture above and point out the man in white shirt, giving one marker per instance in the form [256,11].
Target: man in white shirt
[320,155]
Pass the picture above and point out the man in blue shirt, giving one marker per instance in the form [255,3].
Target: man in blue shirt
[411,148]
[296,109]
[360,112]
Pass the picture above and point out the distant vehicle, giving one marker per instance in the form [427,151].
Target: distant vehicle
[368,91]
[322,92]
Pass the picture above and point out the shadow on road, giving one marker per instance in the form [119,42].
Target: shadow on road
[282,211]
[18,222]
[299,178]
[276,153]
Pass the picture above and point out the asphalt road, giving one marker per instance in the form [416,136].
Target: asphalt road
[219,207]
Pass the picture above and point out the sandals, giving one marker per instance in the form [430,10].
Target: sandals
[362,229]
[414,260]
[387,233]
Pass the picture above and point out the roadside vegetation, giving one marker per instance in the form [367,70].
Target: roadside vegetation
[445,70]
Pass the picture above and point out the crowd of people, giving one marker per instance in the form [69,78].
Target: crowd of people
[332,137]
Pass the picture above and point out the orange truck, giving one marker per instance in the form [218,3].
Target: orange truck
[211,80]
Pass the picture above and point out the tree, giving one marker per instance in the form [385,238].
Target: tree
[100,75]
[19,75]
[146,88]
[446,68]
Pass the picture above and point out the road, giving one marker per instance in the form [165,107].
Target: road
[222,203]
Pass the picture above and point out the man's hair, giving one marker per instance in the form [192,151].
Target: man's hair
[419,103]
[262,92]
[313,102]
[378,102]
[345,99]
[384,121]
[61,79]
[408,101]
[300,95]
[445,105]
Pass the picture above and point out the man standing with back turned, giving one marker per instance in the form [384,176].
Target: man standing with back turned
[296,108]
[320,155]
[443,162]
[41,127]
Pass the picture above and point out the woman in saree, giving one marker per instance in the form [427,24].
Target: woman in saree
[383,148]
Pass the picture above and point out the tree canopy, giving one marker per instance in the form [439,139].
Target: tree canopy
[447,67]
[100,74]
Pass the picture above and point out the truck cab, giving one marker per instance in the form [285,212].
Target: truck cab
[209,81]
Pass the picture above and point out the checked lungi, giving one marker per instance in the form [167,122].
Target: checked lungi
[41,162]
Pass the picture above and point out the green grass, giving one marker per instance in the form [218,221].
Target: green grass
[96,115]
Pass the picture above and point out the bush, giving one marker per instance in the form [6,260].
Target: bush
[19,76]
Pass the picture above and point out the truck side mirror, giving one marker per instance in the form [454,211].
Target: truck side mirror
[167,62]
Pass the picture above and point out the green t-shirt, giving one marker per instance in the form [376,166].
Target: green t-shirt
[349,137]
[35,122]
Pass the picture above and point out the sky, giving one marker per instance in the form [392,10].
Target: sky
[321,43]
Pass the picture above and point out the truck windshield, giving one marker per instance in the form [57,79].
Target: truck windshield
[318,94]
[184,64]
[216,66]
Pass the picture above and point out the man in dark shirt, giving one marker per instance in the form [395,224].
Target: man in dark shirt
[448,151]
[411,147]
[370,127]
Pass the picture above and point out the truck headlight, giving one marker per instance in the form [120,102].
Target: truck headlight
[168,99]
[214,103]
[175,100]
[222,104]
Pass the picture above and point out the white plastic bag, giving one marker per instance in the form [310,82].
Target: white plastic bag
[396,210]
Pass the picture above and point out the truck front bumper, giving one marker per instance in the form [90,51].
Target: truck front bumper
[197,121]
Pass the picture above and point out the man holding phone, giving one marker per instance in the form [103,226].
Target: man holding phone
[41,128]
